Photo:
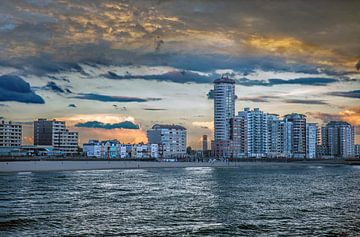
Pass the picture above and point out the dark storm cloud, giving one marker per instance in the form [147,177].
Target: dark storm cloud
[123,108]
[58,34]
[14,88]
[186,62]
[173,76]
[335,22]
[296,81]
[350,94]
[305,102]
[97,124]
[52,86]
[259,99]
[58,78]
[154,109]
[193,77]
[107,98]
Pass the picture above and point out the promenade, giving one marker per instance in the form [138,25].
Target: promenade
[91,164]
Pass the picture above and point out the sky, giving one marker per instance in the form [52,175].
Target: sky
[112,69]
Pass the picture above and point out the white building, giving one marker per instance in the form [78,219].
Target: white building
[54,133]
[279,137]
[311,140]
[224,112]
[111,149]
[256,132]
[154,150]
[92,148]
[224,107]
[10,134]
[140,151]
[122,153]
[170,138]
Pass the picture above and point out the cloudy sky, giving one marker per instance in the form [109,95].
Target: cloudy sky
[111,69]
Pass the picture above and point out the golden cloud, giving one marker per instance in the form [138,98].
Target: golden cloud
[295,48]
[104,118]
[286,45]
[122,135]
[350,115]
[204,124]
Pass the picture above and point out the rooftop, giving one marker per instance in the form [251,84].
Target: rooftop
[168,126]
[224,80]
[337,123]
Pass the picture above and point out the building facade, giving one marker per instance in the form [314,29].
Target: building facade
[279,137]
[224,107]
[298,146]
[255,132]
[357,150]
[338,137]
[92,149]
[172,139]
[111,149]
[285,139]
[10,134]
[54,133]
[311,140]
[273,130]
[224,111]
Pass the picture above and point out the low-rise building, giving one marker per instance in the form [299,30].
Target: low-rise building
[92,149]
[111,149]
[170,138]
[54,133]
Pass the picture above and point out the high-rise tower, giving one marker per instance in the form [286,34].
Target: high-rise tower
[338,139]
[224,112]
[298,143]
[224,107]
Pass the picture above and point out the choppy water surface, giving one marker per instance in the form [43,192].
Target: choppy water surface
[253,200]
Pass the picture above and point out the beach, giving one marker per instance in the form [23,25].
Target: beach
[62,165]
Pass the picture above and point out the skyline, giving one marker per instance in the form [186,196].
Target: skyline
[153,62]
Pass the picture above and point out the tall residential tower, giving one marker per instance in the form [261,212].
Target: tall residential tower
[338,139]
[224,111]
[298,143]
